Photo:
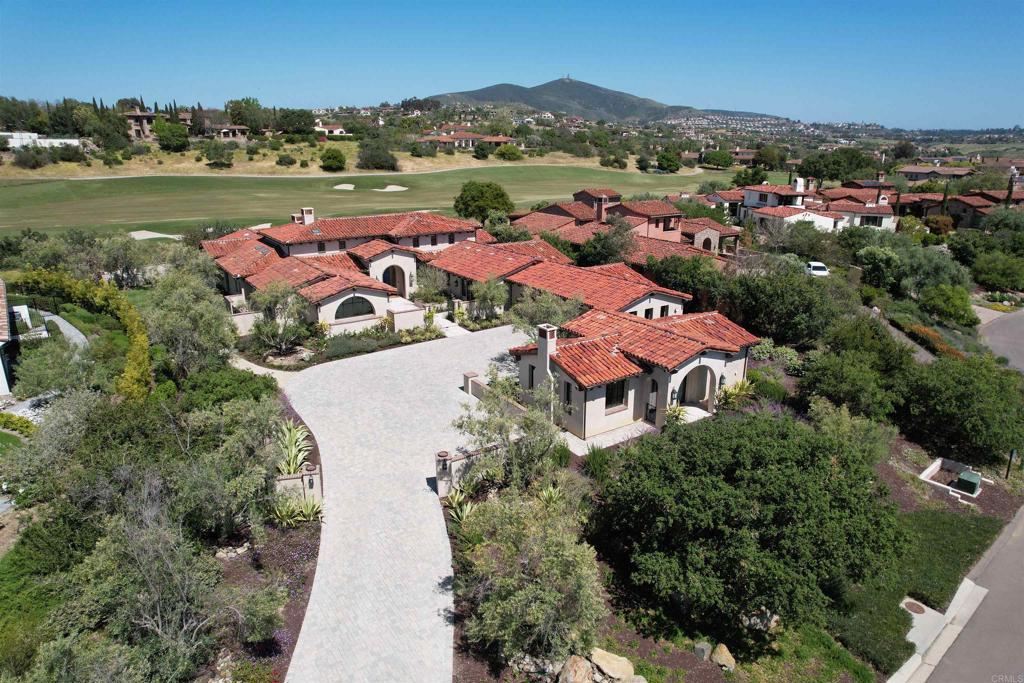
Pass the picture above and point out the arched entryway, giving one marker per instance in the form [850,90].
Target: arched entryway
[354,307]
[698,389]
[395,277]
[706,246]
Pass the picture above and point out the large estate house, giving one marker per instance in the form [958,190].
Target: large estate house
[353,272]
[612,369]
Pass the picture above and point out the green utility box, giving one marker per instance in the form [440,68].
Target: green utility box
[969,482]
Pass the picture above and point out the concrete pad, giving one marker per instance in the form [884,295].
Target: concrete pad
[926,627]
[986,315]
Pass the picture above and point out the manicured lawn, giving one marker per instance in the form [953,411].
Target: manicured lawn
[171,204]
[808,655]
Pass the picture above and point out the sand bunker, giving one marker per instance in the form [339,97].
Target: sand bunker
[392,188]
[345,186]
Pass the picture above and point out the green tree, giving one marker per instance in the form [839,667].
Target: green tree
[904,149]
[668,161]
[643,163]
[188,319]
[949,303]
[295,121]
[172,137]
[696,275]
[374,154]
[718,157]
[970,410]
[755,175]
[489,295]
[996,270]
[124,259]
[1003,218]
[247,111]
[281,312]
[749,475]
[482,150]
[535,306]
[712,186]
[770,157]
[880,266]
[431,284]
[50,365]
[332,160]
[477,199]
[218,154]
[608,246]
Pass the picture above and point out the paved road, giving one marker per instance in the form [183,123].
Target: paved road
[991,646]
[71,333]
[1005,336]
[381,598]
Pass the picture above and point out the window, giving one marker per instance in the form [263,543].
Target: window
[354,307]
[321,247]
[433,240]
[568,393]
[451,238]
[415,241]
[649,313]
[341,244]
[762,197]
[615,394]
[664,310]
[529,383]
[873,221]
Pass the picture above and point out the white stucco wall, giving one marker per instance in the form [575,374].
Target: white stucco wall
[655,302]
[404,260]
[442,240]
[330,246]
[327,310]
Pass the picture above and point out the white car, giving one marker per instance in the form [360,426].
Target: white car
[816,269]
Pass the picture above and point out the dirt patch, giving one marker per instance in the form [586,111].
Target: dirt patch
[10,527]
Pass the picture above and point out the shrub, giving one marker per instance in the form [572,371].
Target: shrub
[304,163]
[762,350]
[374,155]
[508,153]
[344,345]
[285,160]
[939,225]
[246,671]
[999,270]
[31,157]
[213,387]
[17,423]
[767,387]
[261,614]
[949,303]
[332,160]
[276,144]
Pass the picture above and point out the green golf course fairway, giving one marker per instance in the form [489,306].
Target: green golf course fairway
[173,203]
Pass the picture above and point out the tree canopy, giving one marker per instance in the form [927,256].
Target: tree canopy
[477,200]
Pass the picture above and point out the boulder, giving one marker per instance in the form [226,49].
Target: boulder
[635,679]
[576,670]
[702,650]
[723,658]
[613,666]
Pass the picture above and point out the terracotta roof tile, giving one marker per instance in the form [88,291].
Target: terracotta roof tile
[227,243]
[484,237]
[334,285]
[596,289]
[382,225]
[782,190]
[593,362]
[537,248]
[691,226]
[334,264]
[249,256]
[291,270]
[598,192]
[538,221]
[376,247]
[854,207]
[578,210]
[480,262]
[728,195]
[649,207]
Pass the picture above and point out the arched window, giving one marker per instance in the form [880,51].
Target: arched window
[354,307]
[707,244]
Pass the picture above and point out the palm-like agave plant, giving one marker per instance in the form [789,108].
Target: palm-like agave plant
[550,495]
[455,498]
[293,440]
[286,513]
[310,510]
[462,512]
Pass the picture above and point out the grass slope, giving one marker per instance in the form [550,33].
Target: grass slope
[171,204]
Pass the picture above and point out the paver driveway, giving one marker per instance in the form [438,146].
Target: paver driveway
[381,597]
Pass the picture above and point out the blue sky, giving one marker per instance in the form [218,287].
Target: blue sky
[906,63]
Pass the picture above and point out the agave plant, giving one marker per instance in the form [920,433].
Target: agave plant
[675,414]
[286,513]
[735,396]
[550,495]
[293,440]
[310,510]
[462,512]
[455,498]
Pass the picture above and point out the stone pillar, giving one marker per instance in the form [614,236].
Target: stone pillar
[467,382]
[443,473]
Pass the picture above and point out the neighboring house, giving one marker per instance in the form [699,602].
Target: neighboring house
[329,128]
[645,246]
[766,194]
[581,212]
[537,248]
[392,264]
[859,195]
[19,139]
[233,132]
[308,235]
[730,200]
[743,157]
[872,215]
[650,217]
[598,195]
[914,173]
[618,369]
[998,196]
[140,124]
[825,221]
[611,288]
[878,183]
[5,337]
[709,235]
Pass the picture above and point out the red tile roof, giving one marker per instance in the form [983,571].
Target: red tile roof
[497,139]
[593,362]
[781,211]
[728,195]
[914,197]
[781,190]
[332,286]
[659,249]
[537,248]
[249,256]
[649,207]
[691,226]
[538,221]
[480,262]
[711,328]
[484,237]
[596,289]
[376,247]
[973,200]
[854,207]
[598,192]
[227,243]
[334,264]
[621,270]
[392,225]
[861,196]
[578,210]
[291,270]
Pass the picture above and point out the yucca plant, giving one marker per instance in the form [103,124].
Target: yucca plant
[455,498]
[735,396]
[293,440]
[286,513]
[550,495]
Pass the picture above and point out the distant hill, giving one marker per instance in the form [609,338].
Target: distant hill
[577,98]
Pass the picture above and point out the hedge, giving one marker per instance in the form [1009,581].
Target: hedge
[136,380]
[17,423]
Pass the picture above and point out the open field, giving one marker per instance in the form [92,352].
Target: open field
[171,203]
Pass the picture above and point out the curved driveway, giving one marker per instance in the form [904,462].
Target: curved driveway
[1005,336]
[381,600]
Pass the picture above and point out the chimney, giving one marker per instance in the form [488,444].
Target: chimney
[600,208]
[798,184]
[812,184]
[547,342]
[297,218]
[307,215]
[881,176]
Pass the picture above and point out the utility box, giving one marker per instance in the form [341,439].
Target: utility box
[969,482]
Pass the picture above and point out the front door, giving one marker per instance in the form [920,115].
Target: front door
[652,403]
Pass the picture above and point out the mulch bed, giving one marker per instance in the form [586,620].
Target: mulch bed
[289,554]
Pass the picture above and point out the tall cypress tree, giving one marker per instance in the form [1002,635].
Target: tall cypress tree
[1009,191]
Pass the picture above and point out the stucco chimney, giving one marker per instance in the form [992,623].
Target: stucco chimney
[547,343]
[307,215]
[600,208]
[881,176]
[798,184]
